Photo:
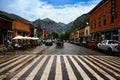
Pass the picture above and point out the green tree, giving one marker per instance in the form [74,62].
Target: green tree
[55,35]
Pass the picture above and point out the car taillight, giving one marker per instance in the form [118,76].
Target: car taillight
[117,47]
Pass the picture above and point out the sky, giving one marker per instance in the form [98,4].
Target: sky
[63,11]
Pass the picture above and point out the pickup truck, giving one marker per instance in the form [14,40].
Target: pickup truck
[109,45]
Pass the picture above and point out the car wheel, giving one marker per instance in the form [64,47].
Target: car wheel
[109,51]
[97,48]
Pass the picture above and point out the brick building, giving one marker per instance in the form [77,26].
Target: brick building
[5,27]
[20,28]
[44,34]
[105,20]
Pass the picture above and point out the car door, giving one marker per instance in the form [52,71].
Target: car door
[103,44]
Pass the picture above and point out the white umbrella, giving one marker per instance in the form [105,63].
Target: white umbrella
[34,38]
[18,37]
[29,38]
[26,37]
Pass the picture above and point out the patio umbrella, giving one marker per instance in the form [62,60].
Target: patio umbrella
[18,37]
[34,38]
[26,37]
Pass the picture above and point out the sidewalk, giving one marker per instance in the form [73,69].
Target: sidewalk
[31,51]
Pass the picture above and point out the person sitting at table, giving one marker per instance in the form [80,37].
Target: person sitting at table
[17,46]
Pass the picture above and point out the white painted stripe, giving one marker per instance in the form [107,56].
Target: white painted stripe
[58,74]
[69,69]
[10,60]
[83,74]
[99,69]
[89,69]
[46,72]
[105,66]
[111,60]
[12,64]
[17,76]
[36,69]
[108,61]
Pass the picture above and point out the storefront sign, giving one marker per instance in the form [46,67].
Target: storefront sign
[113,7]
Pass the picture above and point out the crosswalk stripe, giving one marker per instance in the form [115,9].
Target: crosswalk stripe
[10,65]
[17,76]
[36,69]
[84,75]
[47,69]
[104,67]
[111,59]
[69,70]
[99,69]
[10,61]
[58,73]
[106,64]
[89,69]
[72,66]
[109,62]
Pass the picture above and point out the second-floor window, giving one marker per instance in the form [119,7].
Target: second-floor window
[94,23]
[112,19]
[91,25]
[104,20]
[99,21]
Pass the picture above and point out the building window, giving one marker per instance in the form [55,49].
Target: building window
[99,22]
[94,23]
[20,33]
[112,19]
[104,20]
[91,25]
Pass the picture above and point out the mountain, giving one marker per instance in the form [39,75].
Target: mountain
[81,21]
[66,26]
[48,24]
[78,23]
[6,14]
[20,18]
[69,25]
[47,20]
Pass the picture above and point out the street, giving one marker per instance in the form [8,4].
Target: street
[70,49]
[69,63]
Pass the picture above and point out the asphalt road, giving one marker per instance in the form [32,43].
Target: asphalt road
[70,49]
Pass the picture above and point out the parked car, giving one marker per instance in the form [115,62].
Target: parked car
[92,44]
[109,46]
[84,43]
[48,42]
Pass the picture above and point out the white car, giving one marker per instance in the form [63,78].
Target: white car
[109,45]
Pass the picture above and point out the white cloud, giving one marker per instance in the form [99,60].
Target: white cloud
[34,9]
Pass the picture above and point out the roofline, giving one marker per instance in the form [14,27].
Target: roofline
[6,15]
[97,6]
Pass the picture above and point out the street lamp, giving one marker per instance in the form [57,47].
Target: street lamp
[87,23]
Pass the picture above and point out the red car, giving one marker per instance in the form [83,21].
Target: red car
[92,44]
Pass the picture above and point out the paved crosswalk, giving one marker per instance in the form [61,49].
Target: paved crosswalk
[61,67]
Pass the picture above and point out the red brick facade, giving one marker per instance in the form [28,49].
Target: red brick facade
[102,26]
[20,28]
